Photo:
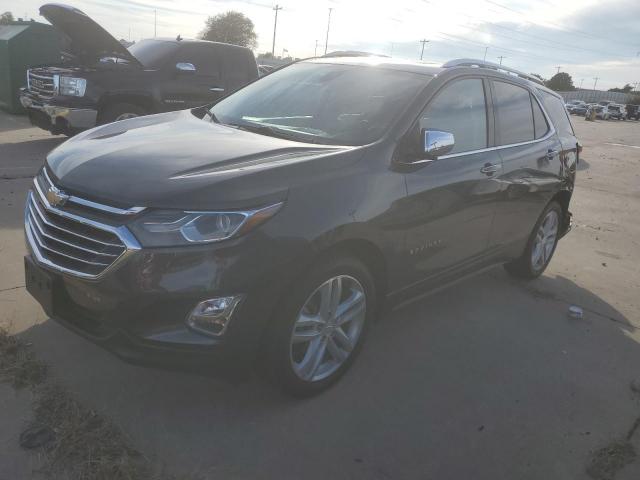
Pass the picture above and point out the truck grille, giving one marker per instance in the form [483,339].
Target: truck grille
[72,243]
[41,84]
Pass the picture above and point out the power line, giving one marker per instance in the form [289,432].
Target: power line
[423,42]
[275,25]
[580,32]
[326,42]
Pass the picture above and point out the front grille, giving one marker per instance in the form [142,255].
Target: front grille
[41,84]
[70,242]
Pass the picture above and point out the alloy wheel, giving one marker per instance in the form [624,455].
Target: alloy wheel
[328,328]
[545,240]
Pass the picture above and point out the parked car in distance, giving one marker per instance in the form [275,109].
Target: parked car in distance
[105,82]
[572,104]
[579,109]
[276,224]
[617,111]
[633,111]
[602,112]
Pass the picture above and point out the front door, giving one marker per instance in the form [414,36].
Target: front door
[451,201]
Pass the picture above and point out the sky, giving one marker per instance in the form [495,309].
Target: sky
[585,38]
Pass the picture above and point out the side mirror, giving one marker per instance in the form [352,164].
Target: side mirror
[185,67]
[437,143]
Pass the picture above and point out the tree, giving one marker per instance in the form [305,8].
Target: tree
[230,27]
[6,18]
[561,82]
[539,77]
[626,89]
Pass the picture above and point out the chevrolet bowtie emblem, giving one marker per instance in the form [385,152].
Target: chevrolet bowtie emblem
[56,197]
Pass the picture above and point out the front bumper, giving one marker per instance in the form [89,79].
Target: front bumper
[138,310]
[57,118]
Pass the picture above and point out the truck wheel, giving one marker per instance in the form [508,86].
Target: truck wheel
[541,245]
[320,326]
[120,111]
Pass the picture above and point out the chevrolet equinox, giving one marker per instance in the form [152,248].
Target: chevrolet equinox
[269,228]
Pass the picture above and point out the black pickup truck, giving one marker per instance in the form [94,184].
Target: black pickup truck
[100,81]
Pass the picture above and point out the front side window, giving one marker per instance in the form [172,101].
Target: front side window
[323,103]
[203,57]
[553,105]
[514,115]
[153,53]
[459,108]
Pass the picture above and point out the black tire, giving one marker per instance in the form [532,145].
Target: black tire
[115,110]
[279,348]
[523,266]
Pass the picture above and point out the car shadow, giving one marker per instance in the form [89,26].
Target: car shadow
[488,379]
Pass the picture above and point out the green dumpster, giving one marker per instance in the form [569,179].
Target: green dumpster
[24,45]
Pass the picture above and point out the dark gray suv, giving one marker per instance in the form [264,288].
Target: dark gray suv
[274,225]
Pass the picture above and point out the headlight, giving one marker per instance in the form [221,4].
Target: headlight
[167,228]
[71,86]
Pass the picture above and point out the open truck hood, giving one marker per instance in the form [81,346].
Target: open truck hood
[89,41]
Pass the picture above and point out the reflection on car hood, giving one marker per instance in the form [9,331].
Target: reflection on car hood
[175,160]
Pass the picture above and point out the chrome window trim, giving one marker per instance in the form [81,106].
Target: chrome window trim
[550,133]
[95,205]
[130,243]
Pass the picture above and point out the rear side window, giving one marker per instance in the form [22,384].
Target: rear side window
[515,117]
[555,108]
[460,108]
[539,122]
[239,67]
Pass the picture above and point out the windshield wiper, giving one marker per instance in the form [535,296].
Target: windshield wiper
[264,130]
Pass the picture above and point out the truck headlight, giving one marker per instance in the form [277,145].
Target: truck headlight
[71,86]
[165,228]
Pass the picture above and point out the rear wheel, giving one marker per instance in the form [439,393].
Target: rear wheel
[321,325]
[541,245]
[120,111]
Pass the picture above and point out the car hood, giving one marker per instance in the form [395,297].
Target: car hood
[89,41]
[176,160]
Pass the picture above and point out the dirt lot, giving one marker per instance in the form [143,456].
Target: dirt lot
[487,380]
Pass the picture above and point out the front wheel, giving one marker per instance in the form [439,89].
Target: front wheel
[321,325]
[541,245]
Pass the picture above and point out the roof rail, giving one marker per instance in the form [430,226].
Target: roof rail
[471,62]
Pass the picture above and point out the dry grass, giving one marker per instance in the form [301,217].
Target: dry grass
[609,460]
[86,446]
[18,365]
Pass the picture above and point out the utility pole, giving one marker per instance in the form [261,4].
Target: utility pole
[275,24]
[155,23]
[423,42]
[326,42]
[485,53]
[558,67]
[392,45]
[315,51]
[595,82]
[581,80]
[501,57]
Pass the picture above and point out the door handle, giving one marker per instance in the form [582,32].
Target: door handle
[216,89]
[490,168]
[551,153]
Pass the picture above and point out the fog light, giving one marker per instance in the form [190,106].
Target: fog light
[214,315]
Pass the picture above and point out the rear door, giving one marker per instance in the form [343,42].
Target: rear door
[193,88]
[530,151]
[451,201]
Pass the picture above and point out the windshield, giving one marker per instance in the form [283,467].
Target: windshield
[152,53]
[323,103]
